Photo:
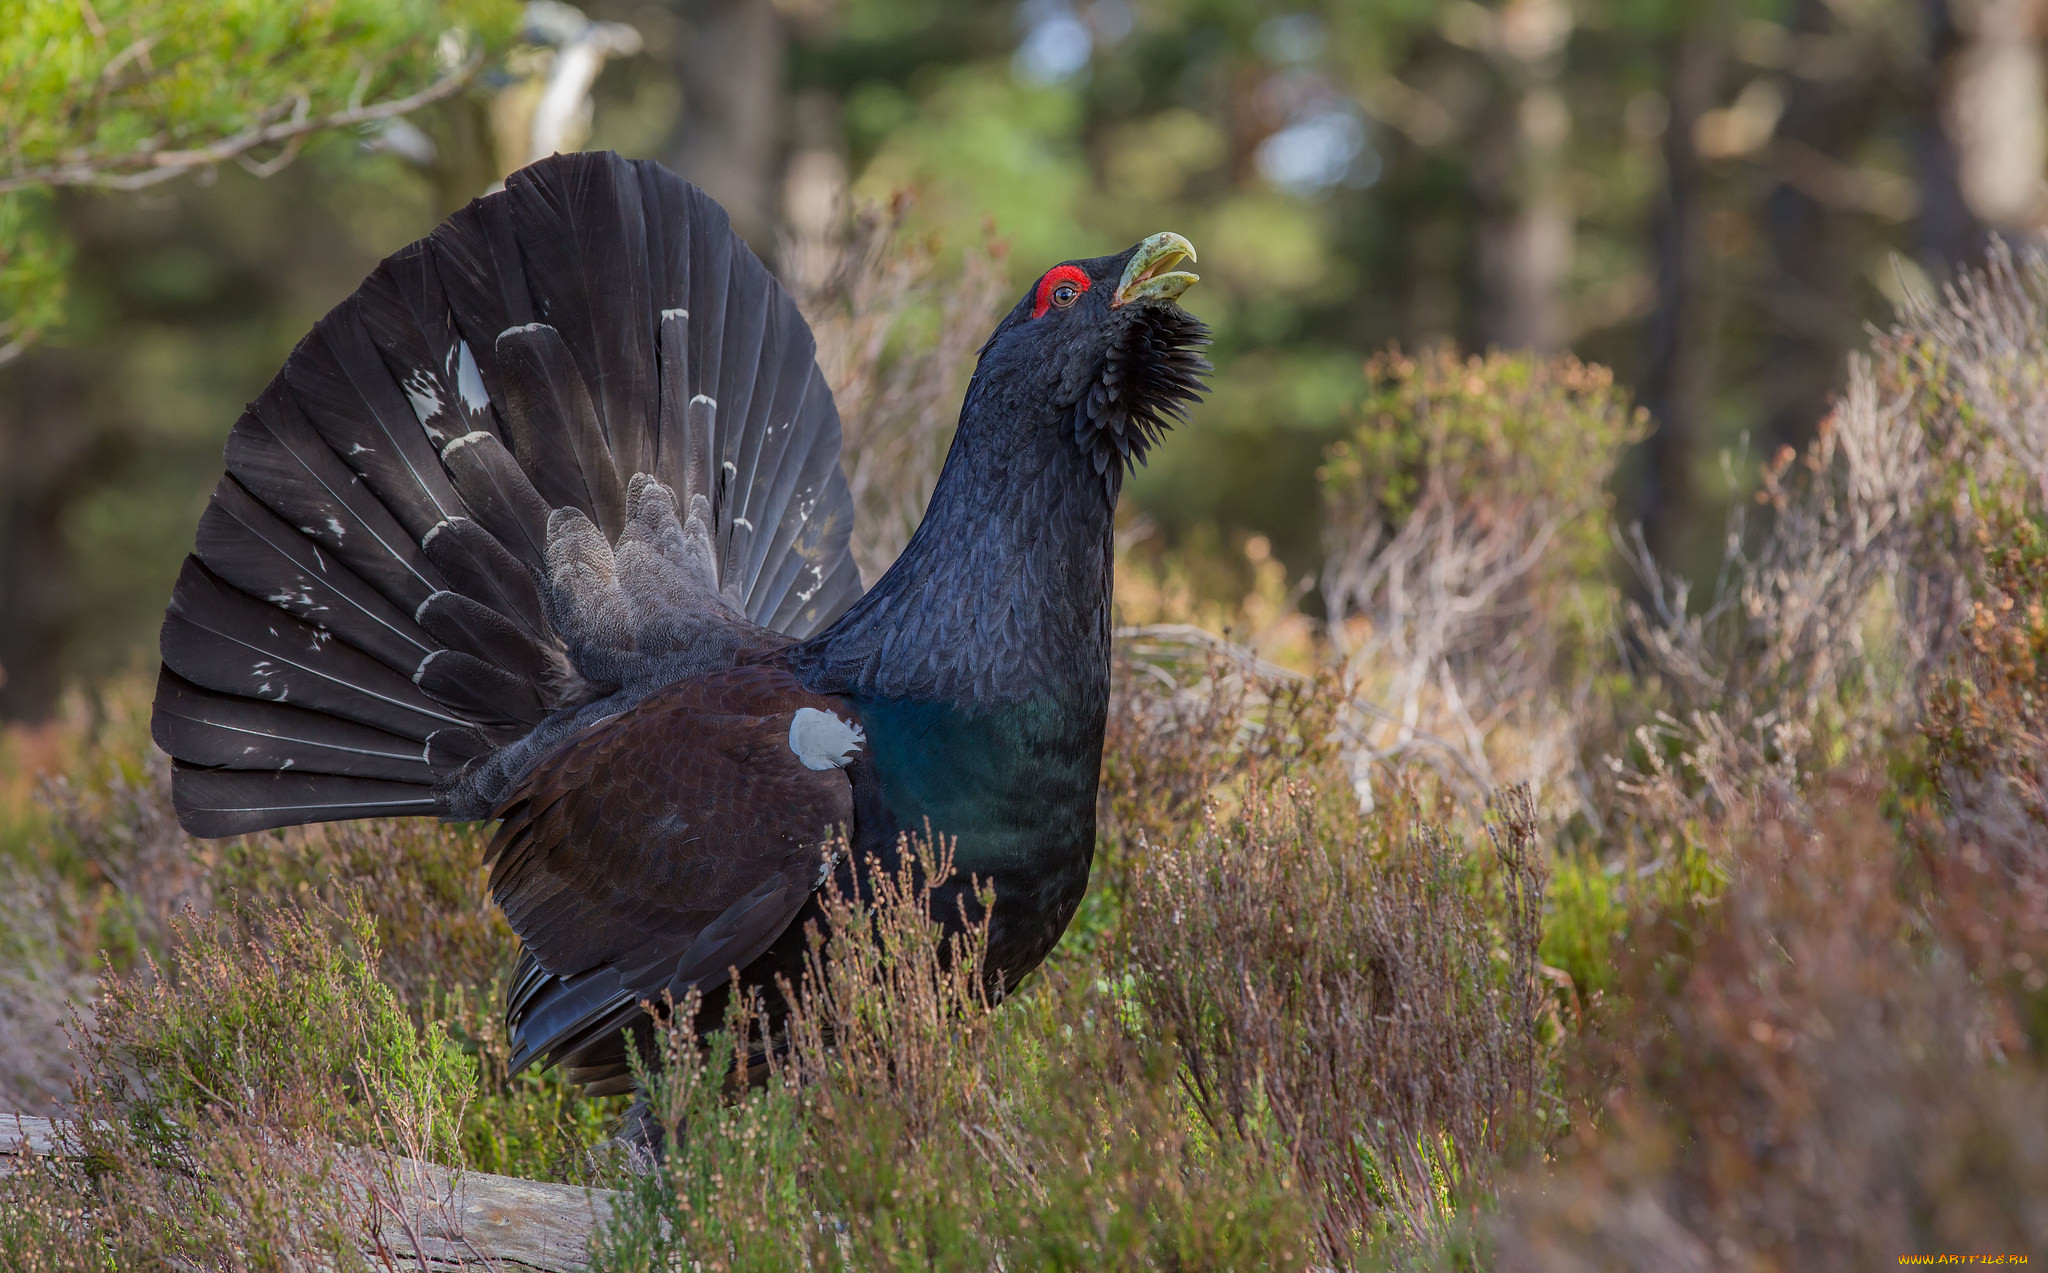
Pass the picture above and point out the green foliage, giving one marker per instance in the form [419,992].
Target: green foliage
[1588,914]
[274,1021]
[32,265]
[224,1105]
[103,875]
[126,92]
[1494,432]
[106,84]
[443,949]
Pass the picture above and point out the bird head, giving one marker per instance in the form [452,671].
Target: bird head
[1105,346]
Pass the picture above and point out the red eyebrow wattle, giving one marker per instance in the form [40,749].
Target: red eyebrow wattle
[1055,276]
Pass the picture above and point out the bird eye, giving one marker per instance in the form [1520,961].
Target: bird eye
[1065,294]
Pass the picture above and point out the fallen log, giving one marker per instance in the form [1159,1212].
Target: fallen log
[446,1220]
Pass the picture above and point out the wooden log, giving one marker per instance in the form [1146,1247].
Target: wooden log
[441,1219]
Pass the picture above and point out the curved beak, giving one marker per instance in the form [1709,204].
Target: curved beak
[1150,275]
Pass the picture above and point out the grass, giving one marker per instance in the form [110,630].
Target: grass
[1742,963]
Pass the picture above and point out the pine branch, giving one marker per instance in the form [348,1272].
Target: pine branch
[287,122]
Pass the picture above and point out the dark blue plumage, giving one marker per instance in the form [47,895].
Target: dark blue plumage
[979,663]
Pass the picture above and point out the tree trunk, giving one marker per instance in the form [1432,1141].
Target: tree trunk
[1811,318]
[1681,332]
[1523,253]
[1983,128]
[731,59]
[47,456]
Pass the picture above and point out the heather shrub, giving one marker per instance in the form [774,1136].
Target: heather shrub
[907,1126]
[1467,580]
[214,1101]
[1985,721]
[1334,995]
[1841,612]
[1803,1073]
[1985,732]
[443,949]
[1829,1055]
[273,1020]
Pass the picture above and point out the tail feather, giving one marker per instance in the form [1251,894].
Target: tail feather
[480,268]
[788,463]
[226,640]
[274,452]
[448,750]
[553,426]
[217,802]
[757,441]
[368,626]
[405,311]
[500,496]
[739,360]
[478,565]
[497,701]
[227,731]
[683,457]
[711,264]
[587,233]
[253,549]
[473,628]
[348,393]
[556,1018]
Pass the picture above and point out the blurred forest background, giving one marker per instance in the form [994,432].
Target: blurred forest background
[1715,198]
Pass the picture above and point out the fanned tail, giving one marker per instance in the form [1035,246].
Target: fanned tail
[435,554]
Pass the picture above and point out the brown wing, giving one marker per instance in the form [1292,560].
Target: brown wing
[673,841]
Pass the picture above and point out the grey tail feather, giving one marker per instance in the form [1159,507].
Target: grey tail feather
[362,617]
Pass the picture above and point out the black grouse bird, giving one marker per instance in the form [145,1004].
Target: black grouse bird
[546,524]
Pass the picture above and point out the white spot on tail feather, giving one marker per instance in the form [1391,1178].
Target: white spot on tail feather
[469,382]
[823,741]
[468,439]
[425,394]
[675,313]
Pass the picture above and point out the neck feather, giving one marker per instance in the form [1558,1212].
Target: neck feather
[1003,592]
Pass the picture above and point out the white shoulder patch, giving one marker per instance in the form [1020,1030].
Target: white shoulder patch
[823,741]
